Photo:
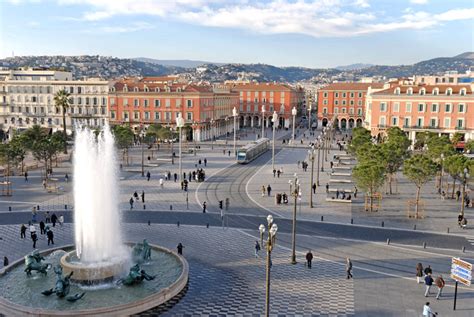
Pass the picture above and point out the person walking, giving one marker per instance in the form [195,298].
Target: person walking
[180,248]
[327,188]
[143,196]
[34,238]
[47,217]
[205,161]
[427,312]
[263,190]
[428,283]
[135,195]
[148,175]
[274,172]
[131,203]
[23,231]
[440,283]
[309,258]
[42,225]
[349,268]
[161,182]
[61,220]
[5,261]
[355,191]
[278,173]
[26,177]
[257,248]
[66,178]
[50,236]
[32,229]
[419,272]
[314,188]
[54,219]
[269,190]
[428,270]
[175,176]
[204,206]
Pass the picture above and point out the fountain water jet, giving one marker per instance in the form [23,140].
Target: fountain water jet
[100,253]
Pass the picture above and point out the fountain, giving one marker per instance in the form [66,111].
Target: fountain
[107,276]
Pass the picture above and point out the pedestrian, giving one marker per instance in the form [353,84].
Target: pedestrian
[42,227]
[309,258]
[332,164]
[269,190]
[54,219]
[257,248]
[131,203]
[199,161]
[314,188]
[180,248]
[274,172]
[66,178]
[47,217]
[458,194]
[61,220]
[175,177]
[169,175]
[161,182]
[427,312]
[349,268]
[26,176]
[419,272]
[278,173]
[204,206]
[33,214]
[263,190]
[5,261]
[327,188]
[143,196]
[32,229]
[440,284]
[34,238]
[428,282]
[337,193]
[23,231]
[428,270]
[50,236]
[205,161]
[355,191]
[148,175]
[135,195]
[44,183]
[228,152]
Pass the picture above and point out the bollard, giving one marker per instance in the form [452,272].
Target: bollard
[388,241]
[322,218]
[144,206]
[65,207]
[207,225]
[448,229]
[424,245]
[383,224]
[352,221]
[177,223]
[463,249]
[149,222]
[9,208]
[171,207]
[414,227]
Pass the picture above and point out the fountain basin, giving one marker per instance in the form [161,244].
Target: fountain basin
[93,273]
[21,295]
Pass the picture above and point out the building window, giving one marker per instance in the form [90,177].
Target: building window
[394,121]
[447,108]
[397,91]
[189,103]
[359,111]
[383,106]
[125,115]
[461,108]
[343,110]
[359,103]
[147,115]
[434,107]
[336,110]
[136,102]
[447,122]
[352,95]
[112,101]
[407,123]
[419,122]
[167,103]
[136,115]
[360,95]
[422,91]
[462,92]
[449,92]
[167,116]
[410,91]
[157,103]
[382,121]
[351,110]
[325,94]
[336,102]
[460,123]
[145,103]
[421,107]
[189,115]
[435,91]
[336,95]
[396,107]
[343,102]
[112,114]
[433,123]
[325,110]
[325,102]
[157,115]
[352,102]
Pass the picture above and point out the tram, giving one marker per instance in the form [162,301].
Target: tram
[252,150]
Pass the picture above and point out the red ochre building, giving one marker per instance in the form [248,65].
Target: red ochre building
[140,102]
[441,108]
[274,97]
[344,103]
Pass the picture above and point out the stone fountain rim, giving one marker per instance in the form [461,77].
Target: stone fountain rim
[154,300]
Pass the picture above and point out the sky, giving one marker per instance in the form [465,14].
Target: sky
[310,33]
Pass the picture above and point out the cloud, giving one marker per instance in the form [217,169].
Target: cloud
[419,1]
[316,18]
[138,26]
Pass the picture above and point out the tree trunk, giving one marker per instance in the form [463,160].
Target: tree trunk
[454,186]
[64,130]
[439,182]
[418,189]
[390,183]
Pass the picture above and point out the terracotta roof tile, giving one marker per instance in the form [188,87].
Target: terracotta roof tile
[352,86]
[442,88]
[262,87]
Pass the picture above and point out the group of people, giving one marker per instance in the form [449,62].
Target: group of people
[135,198]
[44,228]
[426,275]
[277,172]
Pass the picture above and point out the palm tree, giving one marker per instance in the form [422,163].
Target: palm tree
[61,99]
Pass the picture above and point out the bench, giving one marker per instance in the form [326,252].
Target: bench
[344,181]
[339,200]
[341,168]
[340,174]
[333,190]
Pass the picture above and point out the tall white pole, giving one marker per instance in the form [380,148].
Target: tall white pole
[293,135]
[180,171]
[235,135]
[273,147]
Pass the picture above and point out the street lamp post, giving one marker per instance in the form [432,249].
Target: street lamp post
[319,152]
[441,175]
[274,121]
[180,125]
[212,134]
[295,191]
[323,141]
[194,126]
[311,155]
[270,243]
[294,112]
[465,176]
[172,142]
[235,114]
[142,134]
[309,116]
[263,120]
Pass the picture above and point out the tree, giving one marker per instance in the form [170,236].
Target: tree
[457,137]
[18,143]
[61,99]
[369,176]
[470,146]
[360,137]
[10,155]
[439,148]
[123,138]
[455,165]
[419,169]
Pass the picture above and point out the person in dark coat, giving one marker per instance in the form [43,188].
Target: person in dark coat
[5,261]
[131,202]
[349,268]
[50,235]
[23,231]
[148,175]
[204,206]
[428,282]
[428,270]
[314,188]
[269,190]
[42,227]
[419,272]
[26,176]
[180,248]
[54,219]
[135,195]
[143,196]
[34,238]
[309,258]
